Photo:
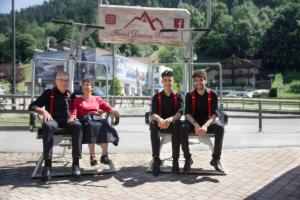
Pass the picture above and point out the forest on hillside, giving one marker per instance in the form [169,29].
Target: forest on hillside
[267,30]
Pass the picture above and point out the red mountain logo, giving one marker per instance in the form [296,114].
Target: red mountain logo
[146,19]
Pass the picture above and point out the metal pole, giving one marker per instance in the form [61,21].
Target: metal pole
[259,116]
[14,51]
[71,64]
[221,91]
[14,45]
[32,78]
[106,88]
[152,82]
[190,69]
[113,72]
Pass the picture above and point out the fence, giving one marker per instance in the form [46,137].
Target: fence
[239,104]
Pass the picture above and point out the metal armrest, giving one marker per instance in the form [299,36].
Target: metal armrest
[32,120]
[114,121]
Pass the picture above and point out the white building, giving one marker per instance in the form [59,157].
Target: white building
[157,71]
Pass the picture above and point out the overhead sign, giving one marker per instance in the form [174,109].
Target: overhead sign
[142,25]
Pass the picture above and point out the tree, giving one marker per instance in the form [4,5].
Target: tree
[281,43]
[25,45]
[5,50]
[118,87]
[6,74]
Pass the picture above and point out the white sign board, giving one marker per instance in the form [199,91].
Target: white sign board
[142,25]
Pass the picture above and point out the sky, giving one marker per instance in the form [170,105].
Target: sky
[5,5]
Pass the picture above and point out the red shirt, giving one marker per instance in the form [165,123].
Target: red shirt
[91,105]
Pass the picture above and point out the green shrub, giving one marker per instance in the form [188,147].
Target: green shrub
[256,95]
[295,87]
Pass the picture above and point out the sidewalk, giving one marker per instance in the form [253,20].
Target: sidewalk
[252,173]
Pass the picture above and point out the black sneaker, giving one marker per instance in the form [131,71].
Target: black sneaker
[187,165]
[104,159]
[156,167]
[175,167]
[76,171]
[93,161]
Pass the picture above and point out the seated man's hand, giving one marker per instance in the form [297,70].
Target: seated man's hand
[163,123]
[114,112]
[170,119]
[203,130]
[46,116]
[166,123]
[160,123]
[71,119]
[197,129]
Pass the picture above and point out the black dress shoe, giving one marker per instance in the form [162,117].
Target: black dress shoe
[175,167]
[187,165]
[156,167]
[105,159]
[76,171]
[93,161]
[217,164]
[46,174]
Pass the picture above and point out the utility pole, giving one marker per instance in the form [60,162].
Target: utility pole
[14,50]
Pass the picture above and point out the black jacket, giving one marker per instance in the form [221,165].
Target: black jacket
[61,105]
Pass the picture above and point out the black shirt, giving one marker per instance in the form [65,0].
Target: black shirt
[201,111]
[167,105]
[60,103]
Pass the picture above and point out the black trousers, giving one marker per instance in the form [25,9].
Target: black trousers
[75,129]
[215,128]
[177,138]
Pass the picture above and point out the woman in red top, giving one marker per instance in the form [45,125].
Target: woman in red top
[87,110]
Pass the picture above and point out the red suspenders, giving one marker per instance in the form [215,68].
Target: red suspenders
[159,102]
[175,101]
[52,101]
[208,102]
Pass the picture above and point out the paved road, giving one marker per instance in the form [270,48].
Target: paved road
[134,136]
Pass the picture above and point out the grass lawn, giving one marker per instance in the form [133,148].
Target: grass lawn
[14,121]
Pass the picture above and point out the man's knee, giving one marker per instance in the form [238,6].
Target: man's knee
[219,129]
[76,128]
[75,125]
[49,125]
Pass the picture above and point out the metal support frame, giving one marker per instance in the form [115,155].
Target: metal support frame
[66,143]
[187,50]
[76,43]
[166,138]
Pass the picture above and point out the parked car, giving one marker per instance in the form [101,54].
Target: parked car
[235,93]
[2,91]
